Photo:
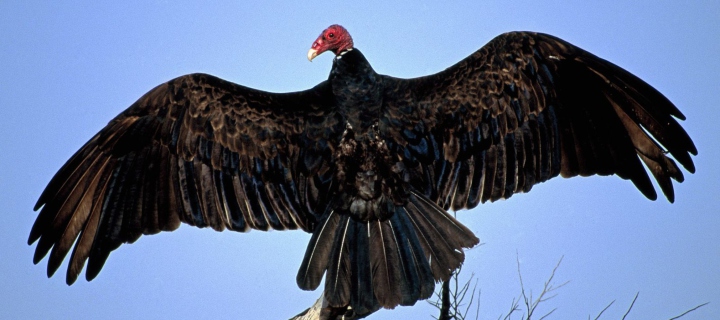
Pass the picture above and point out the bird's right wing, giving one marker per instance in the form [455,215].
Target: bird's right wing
[198,150]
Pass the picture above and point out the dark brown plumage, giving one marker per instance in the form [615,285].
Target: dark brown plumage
[368,163]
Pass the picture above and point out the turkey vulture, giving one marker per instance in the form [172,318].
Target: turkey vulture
[369,164]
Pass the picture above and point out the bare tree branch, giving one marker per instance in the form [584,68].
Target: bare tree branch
[321,311]
[631,306]
[633,303]
[530,304]
[603,310]
[445,297]
[451,297]
[691,310]
[312,313]
[515,306]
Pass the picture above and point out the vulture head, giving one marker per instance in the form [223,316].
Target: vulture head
[335,38]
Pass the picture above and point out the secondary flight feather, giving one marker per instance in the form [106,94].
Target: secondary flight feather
[367,163]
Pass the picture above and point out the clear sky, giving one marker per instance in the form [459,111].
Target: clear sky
[68,68]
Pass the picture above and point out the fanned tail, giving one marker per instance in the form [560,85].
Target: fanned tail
[373,264]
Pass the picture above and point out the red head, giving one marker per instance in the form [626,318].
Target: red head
[335,38]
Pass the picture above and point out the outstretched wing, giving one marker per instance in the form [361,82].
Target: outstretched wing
[525,108]
[198,150]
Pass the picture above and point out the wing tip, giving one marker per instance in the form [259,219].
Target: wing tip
[39,254]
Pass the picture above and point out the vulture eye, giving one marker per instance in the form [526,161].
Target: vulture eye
[331,35]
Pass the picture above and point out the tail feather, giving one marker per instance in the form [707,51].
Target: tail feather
[456,234]
[373,264]
[440,235]
[438,253]
[339,273]
[362,297]
[418,280]
[385,264]
[317,254]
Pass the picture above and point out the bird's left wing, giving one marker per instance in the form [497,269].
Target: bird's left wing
[523,109]
[198,150]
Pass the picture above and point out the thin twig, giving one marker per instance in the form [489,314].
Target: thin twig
[603,310]
[477,309]
[548,288]
[514,306]
[472,297]
[547,314]
[691,310]
[631,306]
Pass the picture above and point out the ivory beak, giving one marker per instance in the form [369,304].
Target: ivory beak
[312,54]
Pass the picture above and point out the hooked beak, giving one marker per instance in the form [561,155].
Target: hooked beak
[312,54]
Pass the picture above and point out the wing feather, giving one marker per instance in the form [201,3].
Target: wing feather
[198,150]
[525,108]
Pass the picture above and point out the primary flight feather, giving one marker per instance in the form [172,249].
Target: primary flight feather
[367,163]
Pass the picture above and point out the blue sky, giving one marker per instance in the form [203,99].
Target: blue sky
[68,68]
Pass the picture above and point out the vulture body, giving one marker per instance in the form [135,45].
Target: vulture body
[367,163]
